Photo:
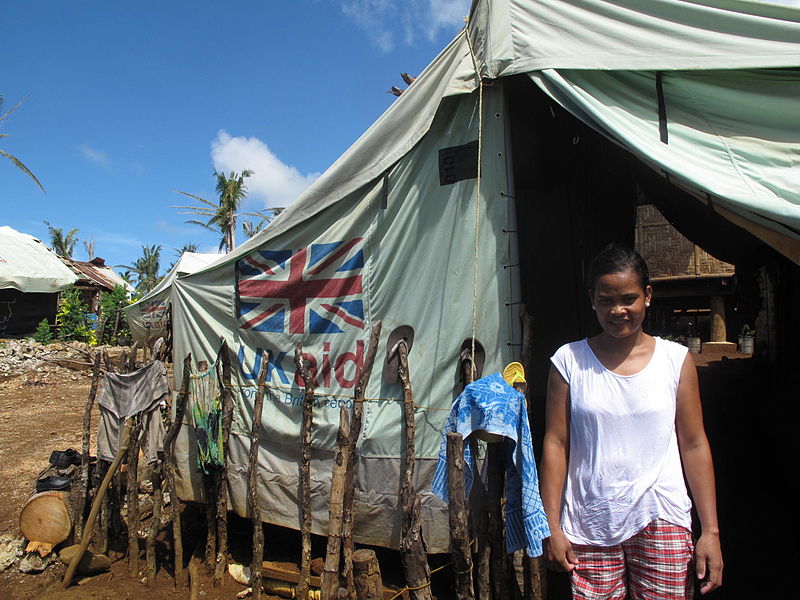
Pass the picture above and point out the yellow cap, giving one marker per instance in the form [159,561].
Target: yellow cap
[514,373]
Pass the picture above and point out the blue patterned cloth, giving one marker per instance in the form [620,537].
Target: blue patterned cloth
[491,405]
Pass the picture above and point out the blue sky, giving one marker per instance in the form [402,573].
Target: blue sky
[129,101]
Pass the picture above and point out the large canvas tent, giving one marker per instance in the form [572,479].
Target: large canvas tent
[147,317]
[431,218]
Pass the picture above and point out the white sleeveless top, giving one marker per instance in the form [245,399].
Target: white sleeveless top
[624,467]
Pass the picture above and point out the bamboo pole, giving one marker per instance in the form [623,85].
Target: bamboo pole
[412,546]
[101,492]
[459,519]
[305,475]
[172,466]
[252,486]
[355,432]
[158,500]
[222,481]
[133,501]
[87,419]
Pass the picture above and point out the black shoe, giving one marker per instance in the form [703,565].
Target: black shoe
[63,459]
[53,483]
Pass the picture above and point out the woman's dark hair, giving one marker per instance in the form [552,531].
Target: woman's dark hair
[616,258]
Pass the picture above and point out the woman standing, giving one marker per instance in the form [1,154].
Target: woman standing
[624,425]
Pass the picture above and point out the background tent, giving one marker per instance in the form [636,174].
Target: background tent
[30,278]
[513,157]
[147,317]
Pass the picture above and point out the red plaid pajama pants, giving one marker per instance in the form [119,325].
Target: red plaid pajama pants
[655,564]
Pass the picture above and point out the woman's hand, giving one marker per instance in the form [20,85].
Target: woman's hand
[559,552]
[708,562]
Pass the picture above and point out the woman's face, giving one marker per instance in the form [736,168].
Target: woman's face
[620,303]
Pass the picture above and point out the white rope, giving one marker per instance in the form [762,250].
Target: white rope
[477,197]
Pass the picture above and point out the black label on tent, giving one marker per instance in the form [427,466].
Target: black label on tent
[458,163]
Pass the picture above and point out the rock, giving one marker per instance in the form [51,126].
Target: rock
[91,564]
[10,550]
[33,563]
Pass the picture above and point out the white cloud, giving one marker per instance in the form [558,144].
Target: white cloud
[94,155]
[383,20]
[273,182]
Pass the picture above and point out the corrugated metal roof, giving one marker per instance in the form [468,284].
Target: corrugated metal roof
[96,271]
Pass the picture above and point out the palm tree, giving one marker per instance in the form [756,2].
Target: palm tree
[146,268]
[188,247]
[265,217]
[11,157]
[89,246]
[63,245]
[222,215]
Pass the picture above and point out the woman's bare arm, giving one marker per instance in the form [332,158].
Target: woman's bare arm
[699,469]
[554,469]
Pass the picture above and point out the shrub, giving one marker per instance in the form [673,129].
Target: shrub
[112,317]
[72,321]
[43,335]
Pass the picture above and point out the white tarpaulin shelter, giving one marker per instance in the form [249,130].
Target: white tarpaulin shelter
[26,265]
[147,317]
[416,224]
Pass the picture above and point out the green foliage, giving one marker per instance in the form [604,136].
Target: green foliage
[43,335]
[111,308]
[747,331]
[71,318]
[62,244]
[146,269]
[14,160]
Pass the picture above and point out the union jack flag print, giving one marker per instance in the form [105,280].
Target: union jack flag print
[315,290]
[153,310]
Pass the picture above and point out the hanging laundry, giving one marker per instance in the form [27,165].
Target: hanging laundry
[490,404]
[206,413]
[123,395]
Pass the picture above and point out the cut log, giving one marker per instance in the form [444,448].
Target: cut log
[45,518]
[367,575]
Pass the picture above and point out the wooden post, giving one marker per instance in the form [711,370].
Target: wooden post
[87,419]
[252,485]
[367,575]
[172,467]
[495,473]
[355,432]
[123,362]
[459,525]
[412,546]
[158,501]
[222,480]
[105,514]
[107,361]
[133,499]
[134,352]
[305,475]
[101,492]
[329,585]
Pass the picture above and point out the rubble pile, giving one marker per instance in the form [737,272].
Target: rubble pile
[35,361]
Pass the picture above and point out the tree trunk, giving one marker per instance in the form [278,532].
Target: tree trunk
[133,500]
[459,519]
[252,486]
[87,419]
[305,475]
[355,432]
[412,546]
[330,574]
[87,531]
[222,481]
[172,467]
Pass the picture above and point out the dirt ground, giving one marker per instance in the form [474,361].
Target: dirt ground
[41,412]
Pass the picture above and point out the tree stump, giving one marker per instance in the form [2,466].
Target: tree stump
[367,575]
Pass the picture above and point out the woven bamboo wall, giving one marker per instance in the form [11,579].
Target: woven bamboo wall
[667,252]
